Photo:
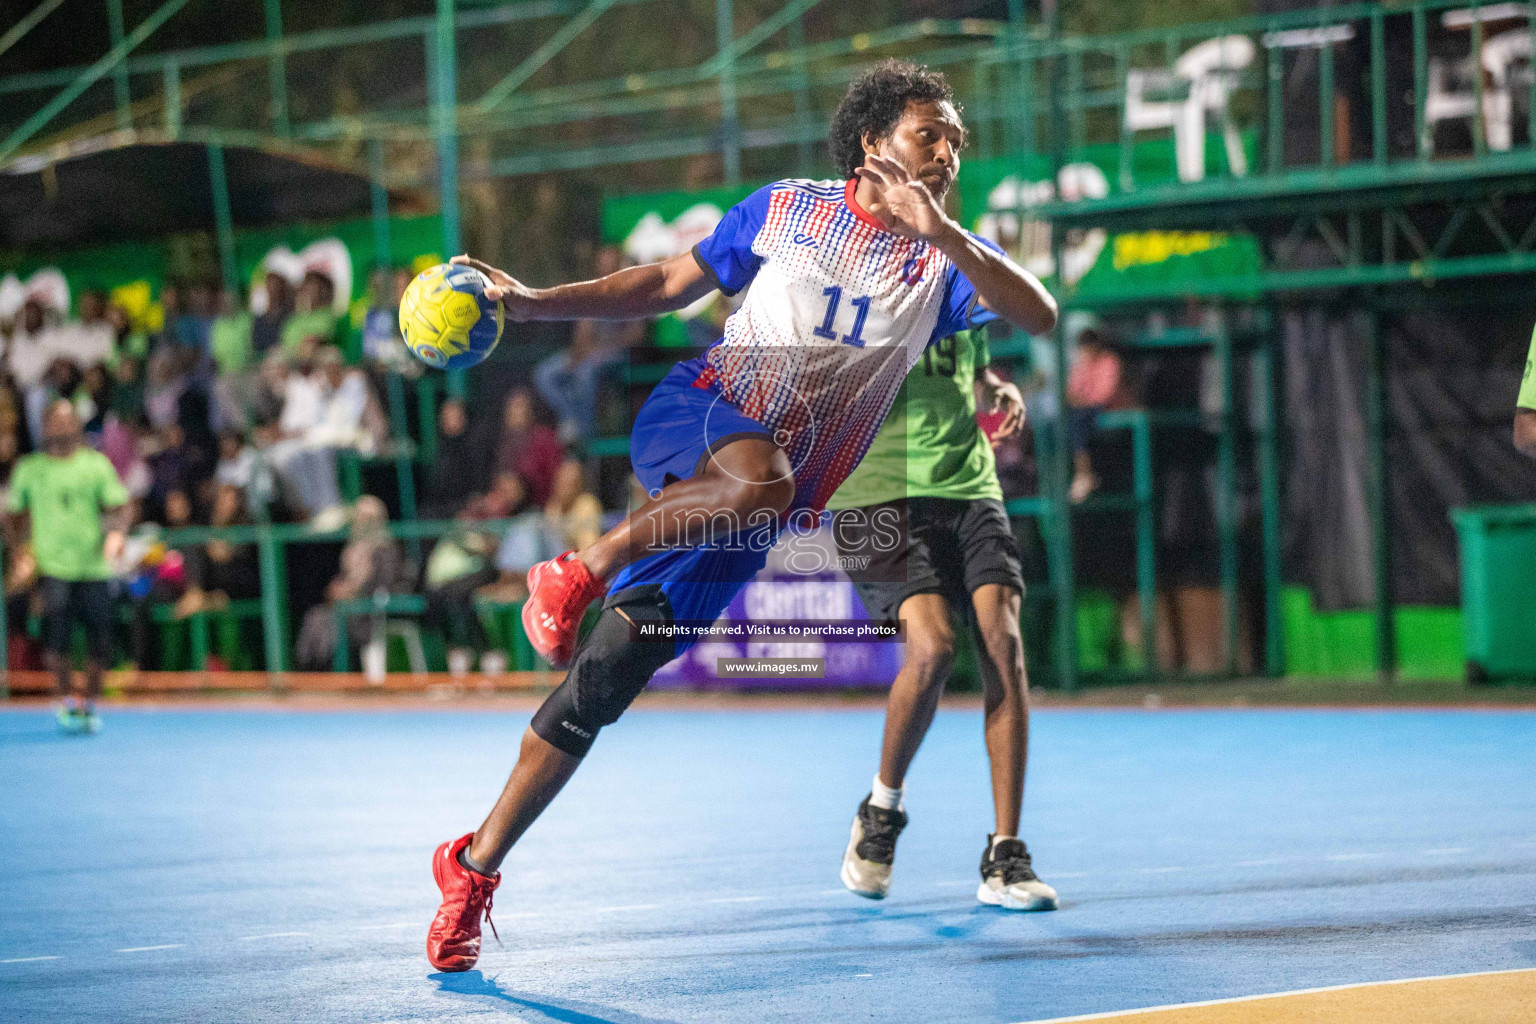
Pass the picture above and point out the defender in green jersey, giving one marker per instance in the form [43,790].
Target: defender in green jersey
[921,530]
[1525,405]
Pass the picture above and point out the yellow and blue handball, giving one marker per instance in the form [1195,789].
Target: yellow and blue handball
[446,320]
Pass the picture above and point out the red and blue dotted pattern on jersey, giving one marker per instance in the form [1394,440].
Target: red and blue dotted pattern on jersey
[794,357]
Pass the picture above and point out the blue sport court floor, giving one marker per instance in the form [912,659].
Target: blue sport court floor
[267,865]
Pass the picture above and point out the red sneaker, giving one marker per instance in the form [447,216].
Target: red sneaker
[559,592]
[453,941]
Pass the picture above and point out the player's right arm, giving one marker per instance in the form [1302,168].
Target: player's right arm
[633,293]
[725,260]
[1525,406]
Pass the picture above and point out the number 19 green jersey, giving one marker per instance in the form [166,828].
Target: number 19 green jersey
[930,445]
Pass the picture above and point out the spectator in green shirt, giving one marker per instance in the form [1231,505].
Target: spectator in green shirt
[230,339]
[1525,406]
[234,356]
[315,317]
[71,501]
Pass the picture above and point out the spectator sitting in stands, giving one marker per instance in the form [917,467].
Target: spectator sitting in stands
[351,415]
[528,448]
[570,520]
[194,328]
[572,509]
[34,346]
[267,328]
[11,406]
[568,380]
[59,381]
[92,340]
[1095,384]
[454,476]
[127,394]
[126,341]
[370,562]
[180,327]
[120,444]
[10,451]
[165,383]
[271,385]
[173,466]
[160,578]
[507,497]
[314,319]
[382,344]
[237,461]
[25,356]
[307,470]
[233,357]
[93,401]
[219,571]
[240,466]
[171,309]
[459,566]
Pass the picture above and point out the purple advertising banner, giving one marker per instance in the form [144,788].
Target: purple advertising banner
[780,596]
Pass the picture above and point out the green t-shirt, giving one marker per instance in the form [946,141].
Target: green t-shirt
[1527,399]
[319,322]
[65,497]
[230,342]
[930,444]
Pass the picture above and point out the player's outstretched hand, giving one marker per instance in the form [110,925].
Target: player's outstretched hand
[903,204]
[508,290]
[1007,399]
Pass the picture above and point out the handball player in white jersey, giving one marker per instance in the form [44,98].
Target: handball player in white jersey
[851,281]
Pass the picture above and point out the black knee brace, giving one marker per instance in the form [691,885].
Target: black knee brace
[610,670]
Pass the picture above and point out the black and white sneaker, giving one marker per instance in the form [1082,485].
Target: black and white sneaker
[1009,881]
[872,850]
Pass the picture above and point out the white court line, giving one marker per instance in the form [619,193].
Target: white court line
[1351,856]
[28,959]
[271,935]
[739,899]
[1447,851]
[863,975]
[147,949]
[1271,995]
[632,906]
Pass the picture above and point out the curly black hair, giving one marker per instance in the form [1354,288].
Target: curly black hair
[875,103]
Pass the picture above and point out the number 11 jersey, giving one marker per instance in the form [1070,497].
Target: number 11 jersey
[838,312]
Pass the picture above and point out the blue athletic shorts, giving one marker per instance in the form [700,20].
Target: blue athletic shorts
[677,429]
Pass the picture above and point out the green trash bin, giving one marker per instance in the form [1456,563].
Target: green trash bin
[1498,590]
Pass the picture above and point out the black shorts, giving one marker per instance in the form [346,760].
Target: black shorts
[941,546]
[88,602]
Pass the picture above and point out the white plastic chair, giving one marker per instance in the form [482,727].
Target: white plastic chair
[1449,94]
[1204,77]
[1501,56]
